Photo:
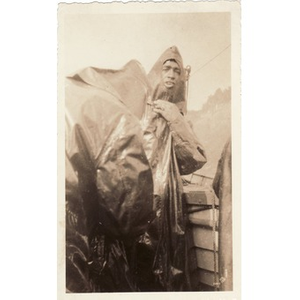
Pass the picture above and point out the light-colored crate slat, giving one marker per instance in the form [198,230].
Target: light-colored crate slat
[204,238]
[204,217]
[200,276]
[206,259]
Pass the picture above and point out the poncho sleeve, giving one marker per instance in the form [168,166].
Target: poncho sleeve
[189,152]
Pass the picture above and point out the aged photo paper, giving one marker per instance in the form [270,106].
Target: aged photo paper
[149,114]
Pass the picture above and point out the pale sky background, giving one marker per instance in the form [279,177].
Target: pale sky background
[111,40]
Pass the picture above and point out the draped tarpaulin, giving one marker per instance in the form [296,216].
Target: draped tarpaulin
[109,189]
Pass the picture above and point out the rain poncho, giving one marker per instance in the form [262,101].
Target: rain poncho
[109,188]
[172,150]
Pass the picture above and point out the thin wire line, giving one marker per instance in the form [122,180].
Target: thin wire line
[210,60]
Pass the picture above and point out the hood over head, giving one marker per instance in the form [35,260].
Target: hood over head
[159,91]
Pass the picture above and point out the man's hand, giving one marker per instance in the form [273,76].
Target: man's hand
[169,111]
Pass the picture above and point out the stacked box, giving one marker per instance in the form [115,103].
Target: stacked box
[202,234]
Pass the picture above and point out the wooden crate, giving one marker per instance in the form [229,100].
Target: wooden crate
[202,236]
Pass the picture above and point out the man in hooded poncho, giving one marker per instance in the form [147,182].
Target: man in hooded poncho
[172,150]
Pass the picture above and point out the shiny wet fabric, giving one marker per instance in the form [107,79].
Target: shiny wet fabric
[109,188]
[172,149]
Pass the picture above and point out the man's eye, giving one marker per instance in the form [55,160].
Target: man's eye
[177,71]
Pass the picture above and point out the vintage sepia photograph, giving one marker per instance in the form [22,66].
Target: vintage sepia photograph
[149,149]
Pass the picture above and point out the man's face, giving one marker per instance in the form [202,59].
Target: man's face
[170,74]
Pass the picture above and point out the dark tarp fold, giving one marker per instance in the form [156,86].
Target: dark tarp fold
[109,189]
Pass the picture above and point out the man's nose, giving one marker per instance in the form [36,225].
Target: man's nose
[171,74]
